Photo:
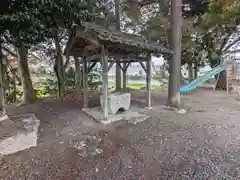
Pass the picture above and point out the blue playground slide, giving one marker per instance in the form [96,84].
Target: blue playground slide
[200,80]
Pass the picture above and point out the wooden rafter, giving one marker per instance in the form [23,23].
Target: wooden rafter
[91,66]
[111,64]
[124,66]
[143,66]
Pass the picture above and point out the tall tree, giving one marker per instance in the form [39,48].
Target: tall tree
[175,63]
[6,10]
[118,26]
[2,108]
[29,95]
[57,18]
[19,29]
[153,23]
[218,27]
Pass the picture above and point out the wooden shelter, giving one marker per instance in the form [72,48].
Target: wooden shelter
[95,43]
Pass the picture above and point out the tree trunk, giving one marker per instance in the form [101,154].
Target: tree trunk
[29,95]
[118,26]
[190,71]
[182,79]
[58,66]
[78,74]
[14,86]
[175,63]
[4,74]
[195,72]
[221,83]
[2,107]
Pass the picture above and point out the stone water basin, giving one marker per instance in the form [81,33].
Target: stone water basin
[117,101]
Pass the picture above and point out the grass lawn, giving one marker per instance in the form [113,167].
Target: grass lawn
[135,86]
[139,86]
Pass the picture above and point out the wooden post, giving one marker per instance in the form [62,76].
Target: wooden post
[105,82]
[148,78]
[85,83]
[124,75]
[124,70]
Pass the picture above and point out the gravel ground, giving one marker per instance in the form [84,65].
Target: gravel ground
[201,144]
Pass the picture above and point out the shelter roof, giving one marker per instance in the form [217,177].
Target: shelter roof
[88,37]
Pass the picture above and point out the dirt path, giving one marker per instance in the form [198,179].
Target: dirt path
[201,144]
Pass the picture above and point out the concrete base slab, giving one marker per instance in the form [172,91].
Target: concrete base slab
[18,133]
[2,118]
[134,115]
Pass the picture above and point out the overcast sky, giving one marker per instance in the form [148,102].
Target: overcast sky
[157,61]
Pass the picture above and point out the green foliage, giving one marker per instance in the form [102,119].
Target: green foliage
[50,86]
[27,23]
[217,26]
[9,10]
[55,13]
[70,77]
[93,85]
[162,79]
[207,26]
[22,23]
[131,77]
[94,80]
[40,92]
[194,8]
[42,89]
[31,22]
[222,14]
[157,28]
[13,96]
[46,88]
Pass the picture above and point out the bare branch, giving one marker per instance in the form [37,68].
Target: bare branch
[67,62]
[231,44]
[9,51]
